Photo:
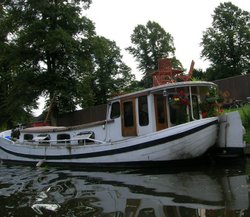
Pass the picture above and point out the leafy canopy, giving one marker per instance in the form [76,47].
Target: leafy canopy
[48,47]
[150,43]
[39,41]
[227,43]
[109,74]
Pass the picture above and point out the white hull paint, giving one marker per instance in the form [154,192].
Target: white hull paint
[165,123]
[185,141]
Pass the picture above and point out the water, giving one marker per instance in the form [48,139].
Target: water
[207,191]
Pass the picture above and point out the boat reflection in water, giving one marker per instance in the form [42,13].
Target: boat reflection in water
[164,194]
[203,193]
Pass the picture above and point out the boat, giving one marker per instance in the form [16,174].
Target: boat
[160,124]
[168,122]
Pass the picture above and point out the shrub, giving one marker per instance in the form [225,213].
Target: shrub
[245,116]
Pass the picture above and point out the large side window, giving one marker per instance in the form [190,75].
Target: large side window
[143,110]
[115,110]
[178,110]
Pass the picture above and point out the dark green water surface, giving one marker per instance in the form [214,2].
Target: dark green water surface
[200,191]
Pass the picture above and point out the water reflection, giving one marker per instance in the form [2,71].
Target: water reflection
[203,192]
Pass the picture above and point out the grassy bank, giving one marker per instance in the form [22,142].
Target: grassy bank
[245,117]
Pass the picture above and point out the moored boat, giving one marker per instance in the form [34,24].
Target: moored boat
[155,125]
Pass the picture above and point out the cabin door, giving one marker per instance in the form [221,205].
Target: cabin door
[128,114]
[160,112]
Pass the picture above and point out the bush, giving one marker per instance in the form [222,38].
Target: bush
[245,117]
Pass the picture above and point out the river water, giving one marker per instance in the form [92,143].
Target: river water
[191,191]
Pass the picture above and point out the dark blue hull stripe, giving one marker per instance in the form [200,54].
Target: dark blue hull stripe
[114,151]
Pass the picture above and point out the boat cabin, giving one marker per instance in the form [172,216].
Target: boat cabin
[135,114]
[158,108]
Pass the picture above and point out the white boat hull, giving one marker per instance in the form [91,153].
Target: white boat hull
[186,141]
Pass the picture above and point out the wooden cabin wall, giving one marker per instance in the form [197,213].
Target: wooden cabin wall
[237,86]
[92,114]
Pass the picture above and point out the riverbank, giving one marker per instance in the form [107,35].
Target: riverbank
[247,150]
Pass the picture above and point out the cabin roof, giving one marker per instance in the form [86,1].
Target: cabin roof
[165,87]
[43,129]
[51,129]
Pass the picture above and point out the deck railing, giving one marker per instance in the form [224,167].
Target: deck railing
[66,142]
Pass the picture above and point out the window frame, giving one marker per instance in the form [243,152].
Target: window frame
[142,112]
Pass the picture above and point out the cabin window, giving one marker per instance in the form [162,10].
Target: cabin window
[63,136]
[86,135]
[128,114]
[42,138]
[115,110]
[143,110]
[28,137]
[178,110]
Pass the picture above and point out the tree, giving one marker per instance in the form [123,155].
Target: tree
[41,44]
[227,43]
[17,94]
[198,74]
[149,43]
[51,49]
[108,75]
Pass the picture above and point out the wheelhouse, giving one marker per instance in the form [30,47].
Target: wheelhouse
[160,107]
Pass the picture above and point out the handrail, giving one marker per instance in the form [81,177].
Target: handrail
[64,141]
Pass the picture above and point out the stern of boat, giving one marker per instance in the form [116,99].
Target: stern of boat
[230,139]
